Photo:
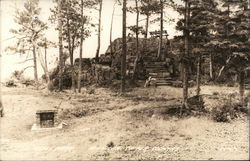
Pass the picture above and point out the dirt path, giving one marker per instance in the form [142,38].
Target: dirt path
[114,130]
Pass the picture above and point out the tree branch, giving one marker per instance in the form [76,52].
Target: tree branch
[25,60]
[28,67]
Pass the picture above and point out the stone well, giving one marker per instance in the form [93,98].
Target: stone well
[46,118]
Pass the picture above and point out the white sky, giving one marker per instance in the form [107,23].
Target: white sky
[10,62]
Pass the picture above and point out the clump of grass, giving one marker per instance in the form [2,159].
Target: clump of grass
[74,112]
[215,93]
[110,144]
[196,103]
[10,83]
[90,90]
[221,114]
[225,112]
[79,112]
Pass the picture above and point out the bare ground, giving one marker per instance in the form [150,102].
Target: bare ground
[104,125]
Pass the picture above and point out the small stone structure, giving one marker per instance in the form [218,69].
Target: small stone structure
[46,118]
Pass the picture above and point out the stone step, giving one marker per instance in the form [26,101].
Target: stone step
[130,64]
[161,81]
[161,84]
[160,74]
[155,67]
[162,78]
[160,70]
[156,63]
[164,84]
[150,58]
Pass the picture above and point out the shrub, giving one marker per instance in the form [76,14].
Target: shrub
[28,82]
[10,83]
[196,103]
[224,112]
[66,77]
[215,93]
[74,112]
[17,74]
[79,112]
[90,90]
[110,144]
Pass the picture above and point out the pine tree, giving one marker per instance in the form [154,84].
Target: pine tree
[72,29]
[240,43]
[30,30]
[137,39]
[232,39]
[184,25]
[148,8]
[202,21]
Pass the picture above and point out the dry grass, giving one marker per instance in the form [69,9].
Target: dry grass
[142,129]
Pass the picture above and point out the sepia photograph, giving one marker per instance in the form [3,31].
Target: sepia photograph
[124,79]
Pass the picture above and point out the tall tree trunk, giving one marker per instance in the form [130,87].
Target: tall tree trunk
[124,46]
[185,56]
[1,107]
[242,86]
[80,67]
[60,37]
[72,65]
[43,64]
[211,66]
[80,55]
[228,16]
[71,53]
[35,65]
[99,32]
[1,104]
[111,30]
[137,40]
[161,31]
[147,24]
[146,34]
[223,67]
[45,61]
[198,76]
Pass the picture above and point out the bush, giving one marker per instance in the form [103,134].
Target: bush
[17,74]
[196,103]
[10,83]
[90,90]
[225,112]
[66,77]
[74,112]
[79,112]
[28,82]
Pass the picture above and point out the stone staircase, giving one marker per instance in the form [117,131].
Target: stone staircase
[247,86]
[156,71]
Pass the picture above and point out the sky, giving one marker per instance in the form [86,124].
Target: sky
[13,61]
